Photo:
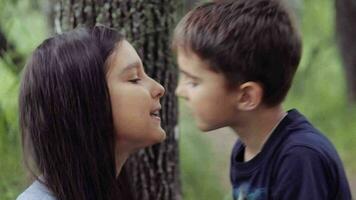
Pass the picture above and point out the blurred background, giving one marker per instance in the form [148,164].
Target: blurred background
[320,91]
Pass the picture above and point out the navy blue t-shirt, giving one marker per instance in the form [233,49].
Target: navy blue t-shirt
[296,163]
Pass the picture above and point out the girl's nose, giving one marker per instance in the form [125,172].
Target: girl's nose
[158,90]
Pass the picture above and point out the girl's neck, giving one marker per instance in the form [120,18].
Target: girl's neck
[120,159]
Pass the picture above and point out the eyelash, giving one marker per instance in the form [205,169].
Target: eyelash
[136,80]
[188,81]
[192,83]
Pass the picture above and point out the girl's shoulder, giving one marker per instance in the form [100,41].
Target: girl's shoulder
[36,191]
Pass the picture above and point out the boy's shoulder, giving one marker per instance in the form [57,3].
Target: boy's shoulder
[305,148]
[293,134]
[301,136]
[297,159]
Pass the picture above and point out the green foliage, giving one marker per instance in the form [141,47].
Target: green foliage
[11,174]
[23,25]
[25,28]
[198,172]
[319,89]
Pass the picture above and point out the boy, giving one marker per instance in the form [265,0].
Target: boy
[237,60]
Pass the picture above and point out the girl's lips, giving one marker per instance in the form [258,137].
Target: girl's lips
[156,118]
[155,113]
[156,110]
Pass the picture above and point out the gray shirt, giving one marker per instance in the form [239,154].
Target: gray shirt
[36,191]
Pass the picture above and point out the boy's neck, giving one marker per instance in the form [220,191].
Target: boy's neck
[256,129]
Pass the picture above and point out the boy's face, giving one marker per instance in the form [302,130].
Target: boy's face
[205,92]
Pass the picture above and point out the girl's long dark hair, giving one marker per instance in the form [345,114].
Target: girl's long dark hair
[66,118]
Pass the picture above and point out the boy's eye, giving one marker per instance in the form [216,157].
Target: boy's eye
[192,83]
[187,80]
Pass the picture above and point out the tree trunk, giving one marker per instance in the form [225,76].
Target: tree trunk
[346,34]
[189,4]
[147,25]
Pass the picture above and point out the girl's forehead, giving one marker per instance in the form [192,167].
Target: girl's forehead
[124,56]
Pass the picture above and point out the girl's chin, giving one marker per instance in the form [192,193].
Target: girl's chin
[160,136]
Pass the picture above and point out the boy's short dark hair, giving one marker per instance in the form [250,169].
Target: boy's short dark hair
[246,40]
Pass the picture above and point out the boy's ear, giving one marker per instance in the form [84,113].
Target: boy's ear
[249,96]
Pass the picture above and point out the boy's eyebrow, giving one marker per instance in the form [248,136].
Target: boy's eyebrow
[188,74]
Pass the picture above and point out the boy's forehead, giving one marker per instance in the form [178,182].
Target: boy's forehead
[188,59]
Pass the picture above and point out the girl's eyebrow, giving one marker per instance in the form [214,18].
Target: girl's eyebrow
[134,65]
[188,74]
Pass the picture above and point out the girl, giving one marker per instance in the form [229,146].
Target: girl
[85,105]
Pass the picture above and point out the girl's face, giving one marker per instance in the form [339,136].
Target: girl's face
[134,100]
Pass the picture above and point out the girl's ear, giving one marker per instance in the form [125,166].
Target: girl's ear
[249,96]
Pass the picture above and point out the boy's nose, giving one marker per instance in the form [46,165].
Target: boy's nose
[179,92]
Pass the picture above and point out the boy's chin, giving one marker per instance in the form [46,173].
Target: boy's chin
[207,127]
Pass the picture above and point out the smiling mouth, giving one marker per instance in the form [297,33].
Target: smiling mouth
[155,114]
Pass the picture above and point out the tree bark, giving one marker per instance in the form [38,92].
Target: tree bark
[346,35]
[147,24]
[189,4]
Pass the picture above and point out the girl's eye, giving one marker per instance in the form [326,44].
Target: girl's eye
[136,80]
